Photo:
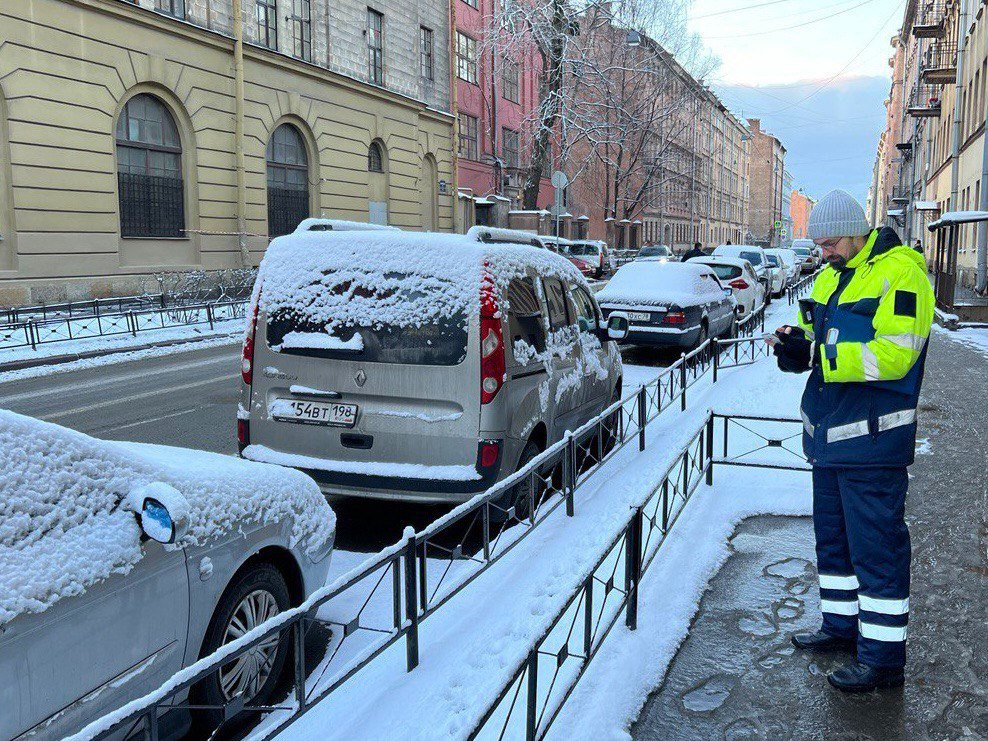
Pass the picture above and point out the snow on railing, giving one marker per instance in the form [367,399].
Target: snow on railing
[414,578]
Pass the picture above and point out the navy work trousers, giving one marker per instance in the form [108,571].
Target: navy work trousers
[862,550]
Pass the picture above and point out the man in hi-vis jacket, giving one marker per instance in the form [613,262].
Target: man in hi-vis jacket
[863,338]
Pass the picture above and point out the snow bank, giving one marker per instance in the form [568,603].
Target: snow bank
[389,278]
[65,506]
[661,283]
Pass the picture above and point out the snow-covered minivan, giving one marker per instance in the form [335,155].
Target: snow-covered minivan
[420,367]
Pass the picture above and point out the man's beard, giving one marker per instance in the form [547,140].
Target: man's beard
[837,262]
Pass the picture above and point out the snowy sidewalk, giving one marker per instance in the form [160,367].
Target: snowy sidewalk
[737,677]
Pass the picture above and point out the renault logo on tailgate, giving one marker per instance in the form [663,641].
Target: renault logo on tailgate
[360,378]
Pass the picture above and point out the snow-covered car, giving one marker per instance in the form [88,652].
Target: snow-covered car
[780,274]
[740,277]
[790,260]
[670,303]
[657,252]
[758,259]
[594,252]
[122,563]
[580,263]
[806,251]
[383,368]
[340,225]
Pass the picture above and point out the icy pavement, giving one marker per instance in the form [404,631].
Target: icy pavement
[736,677]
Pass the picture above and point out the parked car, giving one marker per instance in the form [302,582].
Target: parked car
[659,252]
[739,275]
[595,253]
[588,269]
[780,274]
[383,368]
[670,303]
[339,225]
[121,563]
[790,260]
[804,249]
[758,259]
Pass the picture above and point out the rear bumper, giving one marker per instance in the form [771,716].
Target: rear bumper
[663,336]
[395,488]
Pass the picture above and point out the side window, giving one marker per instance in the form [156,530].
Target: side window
[525,316]
[555,299]
[586,315]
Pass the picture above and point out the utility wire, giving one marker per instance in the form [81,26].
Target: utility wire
[739,10]
[790,28]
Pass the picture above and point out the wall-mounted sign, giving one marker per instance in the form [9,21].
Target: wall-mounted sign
[442,187]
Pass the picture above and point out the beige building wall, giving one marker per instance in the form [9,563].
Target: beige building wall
[67,69]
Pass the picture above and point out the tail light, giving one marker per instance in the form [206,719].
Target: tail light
[243,434]
[675,317]
[247,357]
[492,364]
[488,453]
[739,283]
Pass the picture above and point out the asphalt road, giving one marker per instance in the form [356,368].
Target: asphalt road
[189,399]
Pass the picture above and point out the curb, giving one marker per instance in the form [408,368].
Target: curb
[71,357]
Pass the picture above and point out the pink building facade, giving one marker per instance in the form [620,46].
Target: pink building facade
[496,102]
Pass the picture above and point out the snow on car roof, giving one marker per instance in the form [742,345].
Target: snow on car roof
[681,283]
[737,262]
[340,225]
[391,278]
[65,522]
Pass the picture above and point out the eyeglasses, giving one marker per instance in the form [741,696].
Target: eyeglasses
[828,244]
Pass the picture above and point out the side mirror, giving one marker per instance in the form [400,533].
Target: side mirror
[728,291]
[616,327]
[164,512]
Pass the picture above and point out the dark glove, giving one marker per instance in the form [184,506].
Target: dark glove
[795,353]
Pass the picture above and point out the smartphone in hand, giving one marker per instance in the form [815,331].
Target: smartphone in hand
[771,339]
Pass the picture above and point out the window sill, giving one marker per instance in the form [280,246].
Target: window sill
[170,239]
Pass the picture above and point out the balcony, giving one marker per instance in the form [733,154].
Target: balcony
[930,19]
[924,102]
[905,147]
[940,63]
[900,194]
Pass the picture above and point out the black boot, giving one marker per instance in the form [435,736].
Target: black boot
[821,641]
[858,677]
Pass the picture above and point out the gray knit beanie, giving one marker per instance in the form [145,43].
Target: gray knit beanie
[837,214]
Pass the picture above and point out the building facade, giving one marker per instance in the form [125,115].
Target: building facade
[931,155]
[801,206]
[768,164]
[785,236]
[495,98]
[140,137]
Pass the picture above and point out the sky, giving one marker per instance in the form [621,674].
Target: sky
[816,73]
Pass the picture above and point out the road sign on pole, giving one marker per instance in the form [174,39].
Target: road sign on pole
[559,182]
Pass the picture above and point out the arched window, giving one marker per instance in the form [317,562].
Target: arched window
[288,181]
[375,158]
[149,170]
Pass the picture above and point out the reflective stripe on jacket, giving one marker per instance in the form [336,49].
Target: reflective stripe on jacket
[872,322]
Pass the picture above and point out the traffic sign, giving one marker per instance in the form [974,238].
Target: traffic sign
[559,179]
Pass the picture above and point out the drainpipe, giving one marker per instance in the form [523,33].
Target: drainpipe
[238,131]
[958,107]
[981,282]
[453,104]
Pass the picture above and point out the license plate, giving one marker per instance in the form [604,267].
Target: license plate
[315,412]
[639,316]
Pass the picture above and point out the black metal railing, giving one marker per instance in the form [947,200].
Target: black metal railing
[940,62]
[925,101]
[931,16]
[901,193]
[541,683]
[414,578]
[33,333]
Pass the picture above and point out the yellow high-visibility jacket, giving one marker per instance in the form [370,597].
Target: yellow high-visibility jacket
[872,322]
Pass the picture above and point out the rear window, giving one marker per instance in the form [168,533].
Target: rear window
[753,257]
[555,299]
[525,320]
[772,260]
[726,272]
[801,251]
[441,340]
[653,252]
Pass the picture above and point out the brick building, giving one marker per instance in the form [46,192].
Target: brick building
[801,206]
[495,100]
[766,177]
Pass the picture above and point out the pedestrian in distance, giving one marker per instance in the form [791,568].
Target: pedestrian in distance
[697,251]
[862,335]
